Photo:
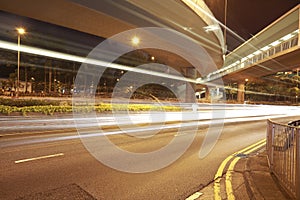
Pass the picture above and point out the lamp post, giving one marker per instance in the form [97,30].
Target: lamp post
[225,20]
[246,81]
[21,31]
[135,41]
[225,23]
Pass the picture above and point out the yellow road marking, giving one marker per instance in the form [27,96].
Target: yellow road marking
[228,180]
[38,158]
[217,187]
[229,189]
[194,196]
[218,175]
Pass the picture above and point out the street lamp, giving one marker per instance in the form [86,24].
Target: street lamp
[135,40]
[21,31]
[246,81]
[225,23]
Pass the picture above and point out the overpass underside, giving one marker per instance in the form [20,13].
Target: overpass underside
[274,49]
[283,61]
[107,18]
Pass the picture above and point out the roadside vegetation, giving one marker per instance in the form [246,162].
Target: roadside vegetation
[29,106]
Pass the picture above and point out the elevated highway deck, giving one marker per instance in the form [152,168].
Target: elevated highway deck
[274,49]
[106,18]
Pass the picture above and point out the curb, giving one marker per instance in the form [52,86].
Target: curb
[258,179]
[252,190]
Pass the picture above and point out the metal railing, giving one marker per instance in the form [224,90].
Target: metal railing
[283,148]
[294,123]
[266,52]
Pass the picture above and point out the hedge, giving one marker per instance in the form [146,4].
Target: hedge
[51,109]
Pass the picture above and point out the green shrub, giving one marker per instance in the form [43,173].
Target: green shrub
[50,109]
[27,102]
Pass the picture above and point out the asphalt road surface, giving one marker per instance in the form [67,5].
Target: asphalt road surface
[56,165]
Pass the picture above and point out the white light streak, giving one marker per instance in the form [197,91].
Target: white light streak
[287,37]
[38,158]
[235,113]
[257,52]
[265,48]
[275,43]
[68,57]
[250,56]
[210,28]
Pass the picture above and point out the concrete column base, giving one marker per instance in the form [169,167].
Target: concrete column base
[241,93]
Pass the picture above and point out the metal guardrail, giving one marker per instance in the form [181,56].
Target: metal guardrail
[294,123]
[266,52]
[283,148]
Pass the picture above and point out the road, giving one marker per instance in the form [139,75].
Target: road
[63,168]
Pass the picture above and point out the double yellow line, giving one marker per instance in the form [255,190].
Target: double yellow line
[228,177]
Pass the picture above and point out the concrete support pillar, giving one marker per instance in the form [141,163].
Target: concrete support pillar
[190,72]
[207,94]
[190,93]
[241,93]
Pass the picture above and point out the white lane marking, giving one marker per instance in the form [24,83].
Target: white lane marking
[38,158]
[194,196]
[180,134]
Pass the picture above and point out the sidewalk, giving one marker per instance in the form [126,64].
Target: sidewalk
[251,179]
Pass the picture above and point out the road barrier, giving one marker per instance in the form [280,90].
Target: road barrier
[283,148]
[294,123]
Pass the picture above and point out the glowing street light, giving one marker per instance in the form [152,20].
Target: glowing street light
[135,40]
[21,31]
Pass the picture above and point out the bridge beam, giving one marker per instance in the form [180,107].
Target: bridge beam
[207,94]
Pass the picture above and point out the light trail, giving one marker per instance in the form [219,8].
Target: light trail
[100,63]
[26,64]
[205,113]
[144,131]
[233,115]
[201,10]
[38,158]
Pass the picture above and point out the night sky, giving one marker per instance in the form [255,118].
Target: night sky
[248,17]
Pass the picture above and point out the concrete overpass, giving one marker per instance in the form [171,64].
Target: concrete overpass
[105,18]
[274,49]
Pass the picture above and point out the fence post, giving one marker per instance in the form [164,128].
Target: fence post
[298,164]
[271,141]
